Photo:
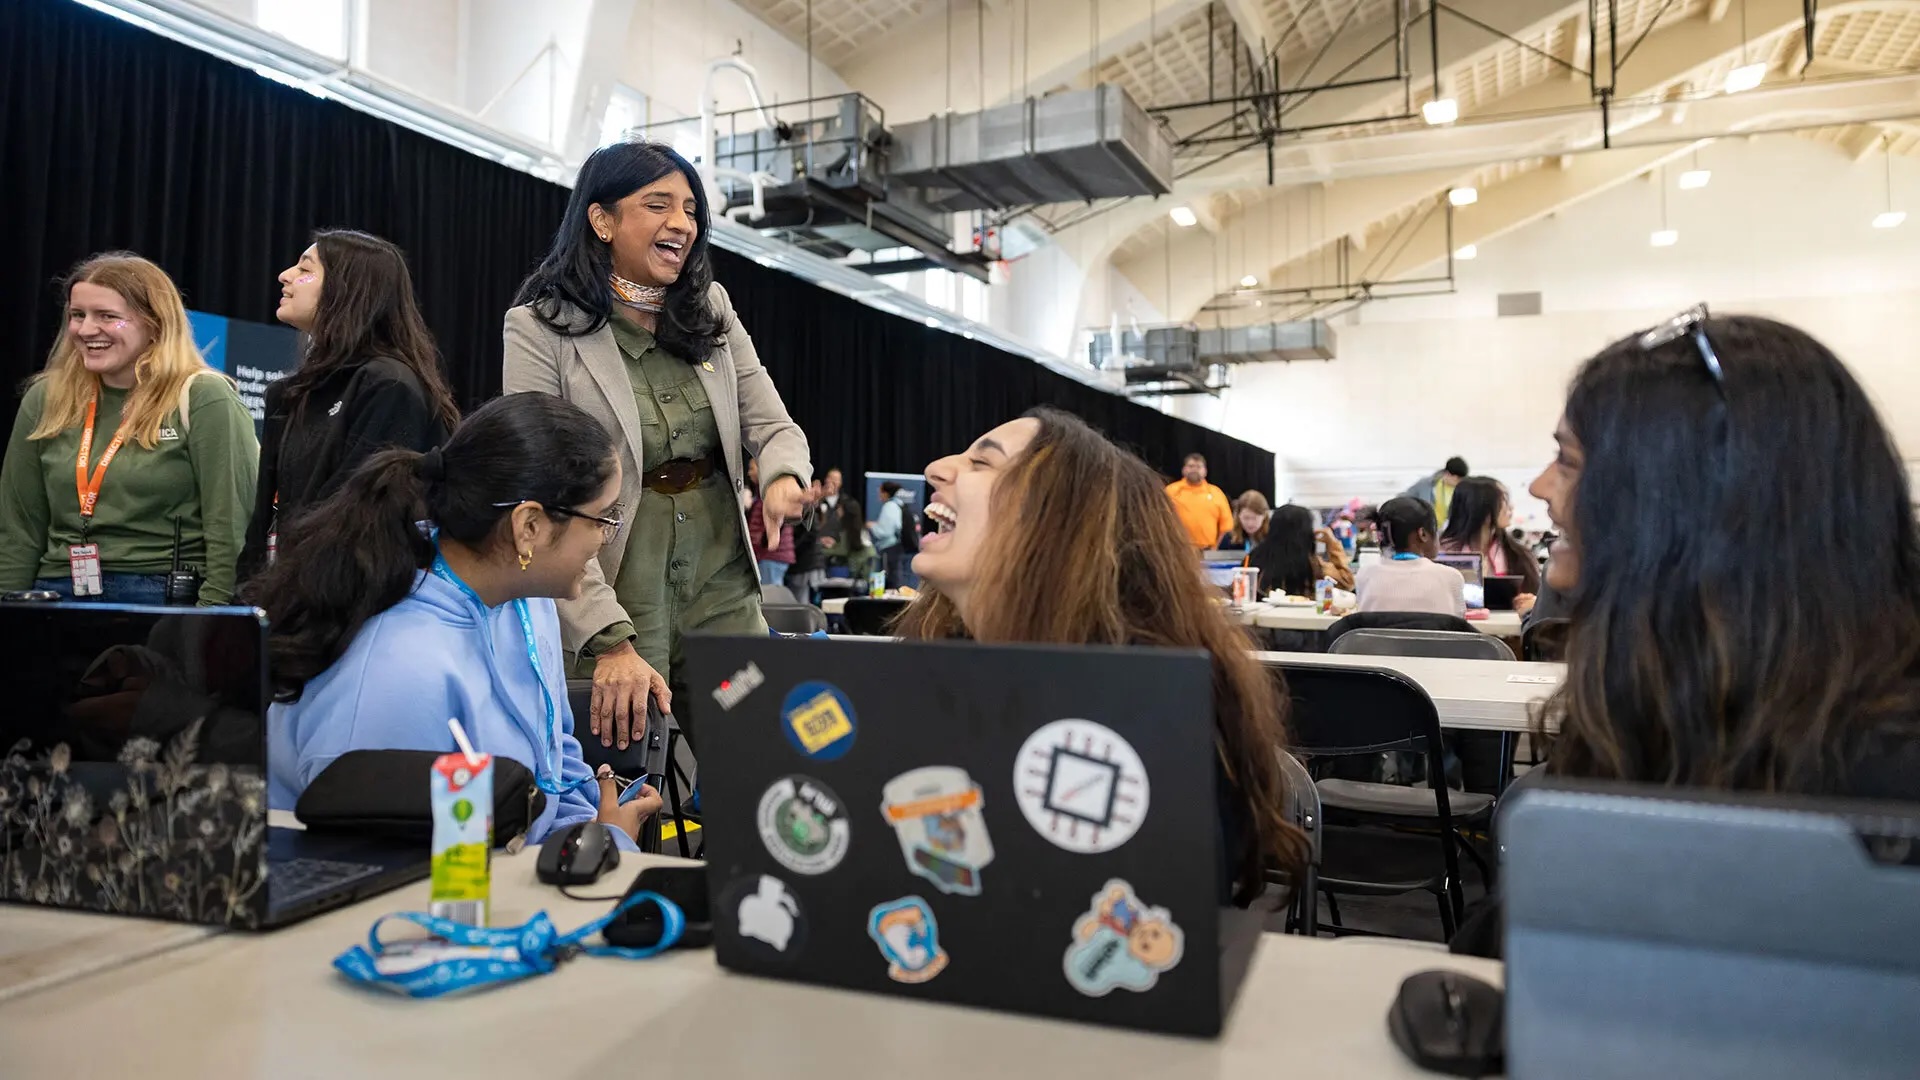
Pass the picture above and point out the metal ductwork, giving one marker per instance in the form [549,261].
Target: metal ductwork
[1306,339]
[1066,147]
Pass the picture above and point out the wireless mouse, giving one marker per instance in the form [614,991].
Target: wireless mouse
[1449,1023]
[577,855]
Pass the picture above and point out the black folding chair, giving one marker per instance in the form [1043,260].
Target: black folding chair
[1544,640]
[1303,806]
[794,618]
[1395,620]
[1379,839]
[655,753]
[873,616]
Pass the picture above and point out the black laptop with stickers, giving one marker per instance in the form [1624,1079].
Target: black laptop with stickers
[1030,828]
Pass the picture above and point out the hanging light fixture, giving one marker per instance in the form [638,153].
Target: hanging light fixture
[1466,252]
[1696,177]
[1463,196]
[1664,236]
[1183,216]
[1746,76]
[1888,218]
[1249,281]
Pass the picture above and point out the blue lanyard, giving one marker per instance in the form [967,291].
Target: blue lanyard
[550,782]
[464,957]
[1405,556]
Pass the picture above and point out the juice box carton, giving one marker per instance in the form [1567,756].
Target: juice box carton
[462,799]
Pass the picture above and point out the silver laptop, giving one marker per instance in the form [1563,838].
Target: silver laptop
[1651,933]
[134,780]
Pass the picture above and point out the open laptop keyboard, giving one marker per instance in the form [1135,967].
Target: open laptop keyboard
[296,879]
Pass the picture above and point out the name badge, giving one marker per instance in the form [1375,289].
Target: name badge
[84,561]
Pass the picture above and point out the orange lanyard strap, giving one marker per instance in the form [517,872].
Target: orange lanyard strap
[89,487]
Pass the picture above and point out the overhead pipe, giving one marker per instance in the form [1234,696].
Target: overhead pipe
[709,138]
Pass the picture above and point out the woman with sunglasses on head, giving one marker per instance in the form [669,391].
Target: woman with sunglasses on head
[382,630]
[1737,537]
[1737,545]
[370,379]
[126,443]
[624,319]
[1047,532]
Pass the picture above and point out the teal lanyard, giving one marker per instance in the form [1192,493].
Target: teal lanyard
[1405,556]
[549,783]
[464,957]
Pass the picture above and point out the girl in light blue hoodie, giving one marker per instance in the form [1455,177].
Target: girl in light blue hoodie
[384,626]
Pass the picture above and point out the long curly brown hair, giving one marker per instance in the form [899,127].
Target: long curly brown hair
[1087,527]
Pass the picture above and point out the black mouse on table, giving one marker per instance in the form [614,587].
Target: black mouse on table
[1450,1023]
[577,855]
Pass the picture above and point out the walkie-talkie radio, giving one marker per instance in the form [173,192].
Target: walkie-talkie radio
[183,582]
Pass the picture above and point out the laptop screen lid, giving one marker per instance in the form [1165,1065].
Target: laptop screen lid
[134,771]
[835,777]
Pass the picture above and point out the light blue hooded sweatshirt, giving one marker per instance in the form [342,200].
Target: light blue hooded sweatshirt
[439,653]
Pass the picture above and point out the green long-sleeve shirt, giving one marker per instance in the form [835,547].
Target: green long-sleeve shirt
[201,472]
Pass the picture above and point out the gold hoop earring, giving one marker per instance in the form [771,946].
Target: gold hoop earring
[526,560]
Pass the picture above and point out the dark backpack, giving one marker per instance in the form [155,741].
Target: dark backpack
[909,529]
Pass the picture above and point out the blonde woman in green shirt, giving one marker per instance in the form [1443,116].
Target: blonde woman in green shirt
[125,433]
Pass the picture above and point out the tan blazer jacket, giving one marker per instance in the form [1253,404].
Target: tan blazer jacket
[589,372]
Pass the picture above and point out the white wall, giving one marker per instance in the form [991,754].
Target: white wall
[671,41]
[417,44]
[1782,231]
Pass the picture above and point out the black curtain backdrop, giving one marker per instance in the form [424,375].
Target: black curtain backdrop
[113,137]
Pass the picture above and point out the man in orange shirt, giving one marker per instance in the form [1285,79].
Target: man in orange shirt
[1203,509]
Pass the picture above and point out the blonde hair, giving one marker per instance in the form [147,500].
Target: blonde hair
[160,375]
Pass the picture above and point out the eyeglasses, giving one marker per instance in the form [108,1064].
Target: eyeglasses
[1692,321]
[609,526]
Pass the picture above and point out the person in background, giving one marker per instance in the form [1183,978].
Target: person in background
[774,554]
[1408,579]
[1202,508]
[1482,514]
[1295,556]
[1250,513]
[381,631]
[1028,524]
[840,535]
[890,533]
[371,378]
[623,318]
[1687,662]
[125,435]
[811,542]
[1437,490]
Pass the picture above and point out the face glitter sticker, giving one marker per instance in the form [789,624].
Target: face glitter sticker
[935,812]
[1121,944]
[803,824]
[909,938]
[818,720]
[1081,786]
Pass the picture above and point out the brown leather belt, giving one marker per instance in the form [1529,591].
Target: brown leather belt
[678,476]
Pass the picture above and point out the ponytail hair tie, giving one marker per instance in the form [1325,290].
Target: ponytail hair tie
[432,466]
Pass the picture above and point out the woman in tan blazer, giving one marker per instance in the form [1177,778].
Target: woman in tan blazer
[623,319]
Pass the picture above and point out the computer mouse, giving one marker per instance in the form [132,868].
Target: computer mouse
[1450,1023]
[577,855]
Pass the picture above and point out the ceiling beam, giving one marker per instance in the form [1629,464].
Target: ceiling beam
[1718,10]
[1252,21]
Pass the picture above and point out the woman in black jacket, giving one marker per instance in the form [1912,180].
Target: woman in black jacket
[370,380]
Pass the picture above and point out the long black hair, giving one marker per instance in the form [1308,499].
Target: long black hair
[357,552]
[1285,557]
[1476,505]
[367,309]
[1748,608]
[576,269]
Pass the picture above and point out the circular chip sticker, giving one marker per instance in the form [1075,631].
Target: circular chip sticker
[804,825]
[1081,786]
[765,916]
[818,720]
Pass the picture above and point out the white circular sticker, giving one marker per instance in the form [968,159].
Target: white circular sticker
[804,825]
[1081,786]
